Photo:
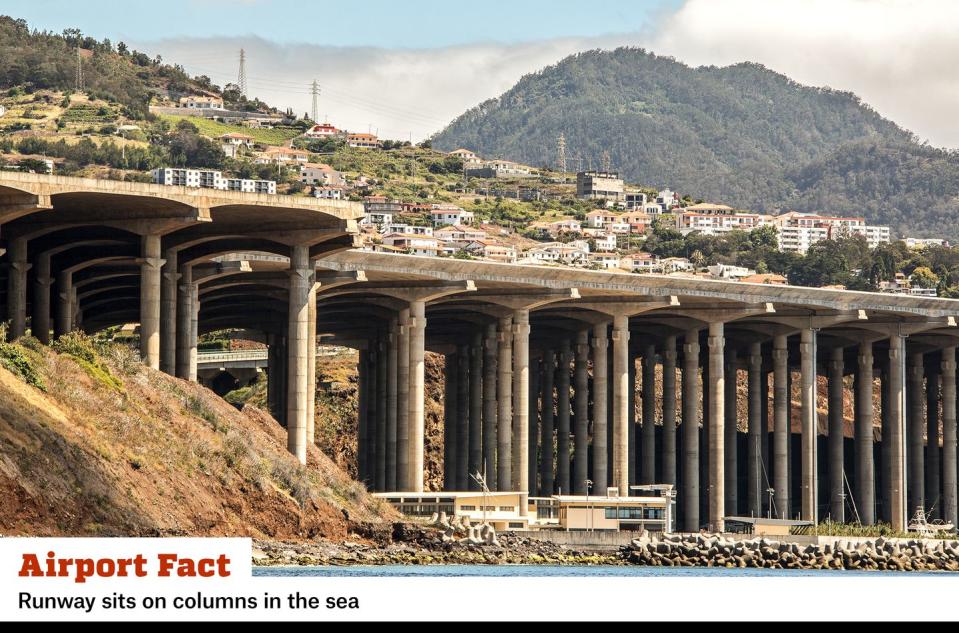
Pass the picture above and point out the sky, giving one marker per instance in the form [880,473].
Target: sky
[405,69]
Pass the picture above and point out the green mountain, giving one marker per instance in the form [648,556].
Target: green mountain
[742,134]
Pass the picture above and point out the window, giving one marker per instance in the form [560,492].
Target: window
[468,508]
[515,526]
[506,508]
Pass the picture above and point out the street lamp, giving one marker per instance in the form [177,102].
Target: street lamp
[589,484]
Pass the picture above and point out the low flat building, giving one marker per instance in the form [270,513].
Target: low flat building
[201,103]
[422,245]
[363,141]
[591,185]
[499,509]
[239,140]
[319,174]
[450,214]
[322,130]
[329,193]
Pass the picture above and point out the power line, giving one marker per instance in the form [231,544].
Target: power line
[241,76]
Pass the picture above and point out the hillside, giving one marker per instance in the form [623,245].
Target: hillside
[743,135]
[93,443]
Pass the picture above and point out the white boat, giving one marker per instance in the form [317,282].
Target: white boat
[924,527]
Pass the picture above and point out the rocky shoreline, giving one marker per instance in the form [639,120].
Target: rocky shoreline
[410,544]
[716,551]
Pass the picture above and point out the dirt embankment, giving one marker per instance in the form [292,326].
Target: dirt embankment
[101,445]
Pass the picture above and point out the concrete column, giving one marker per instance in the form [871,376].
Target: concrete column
[632,422]
[417,421]
[810,486]
[949,491]
[392,361]
[532,454]
[781,430]
[884,458]
[896,417]
[369,439]
[562,483]
[490,359]
[184,329]
[520,456]
[915,428]
[462,418]
[600,387]
[504,418]
[730,429]
[669,411]
[621,387]
[299,382]
[63,321]
[933,494]
[476,410]
[865,463]
[581,414]
[17,288]
[547,427]
[451,367]
[648,448]
[755,432]
[382,406]
[40,323]
[717,452]
[837,487]
[363,401]
[403,402]
[168,306]
[151,266]
[195,335]
[690,493]
[311,372]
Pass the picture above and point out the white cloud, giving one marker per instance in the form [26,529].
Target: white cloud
[898,55]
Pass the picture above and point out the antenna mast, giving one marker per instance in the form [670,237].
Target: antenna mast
[561,153]
[316,99]
[241,76]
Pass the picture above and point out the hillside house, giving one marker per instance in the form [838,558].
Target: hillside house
[450,214]
[319,174]
[322,130]
[201,103]
[363,141]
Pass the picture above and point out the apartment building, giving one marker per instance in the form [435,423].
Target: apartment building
[450,214]
[591,185]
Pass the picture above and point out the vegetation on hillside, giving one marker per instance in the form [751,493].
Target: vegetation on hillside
[743,135]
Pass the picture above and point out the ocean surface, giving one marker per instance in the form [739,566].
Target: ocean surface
[542,571]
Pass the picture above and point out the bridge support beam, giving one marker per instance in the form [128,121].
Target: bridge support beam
[504,390]
[403,402]
[382,402]
[691,399]
[417,421]
[17,288]
[562,482]
[865,460]
[581,414]
[520,455]
[896,418]
[755,432]
[311,371]
[648,445]
[462,417]
[837,496]
[168,311]
[476,410]
[42,287]
[914,431]
[669,411]
[392,384]
[184,329]
[450,371]
[950,495]
[363,406]
[730,430]
[151,265]
[63,317]
[810,425]
[781,430]
[299,380]
[600,416]
[490,359]
[716,423]
[933,462]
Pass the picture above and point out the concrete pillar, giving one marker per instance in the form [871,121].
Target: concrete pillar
[43,282]
[195,336]
[168,315]
[476,410]
[403,402]
[810,479]
[504,418]
[781,430]
[363,401]
[755,432]
[632,423]
[730,429]
[547,426]
[382,405]
[916,426]
[311,372]
[949,491]
[865,463]
[562,482]
[392,361]
[302,278]
[766,436]
[184,329]
[520,456]
[933,494]
[417,420]
[669,411]
[648,448]
[369,439]
[717,453]
[17,288]
[532,453]
[883,484]
[690,492]
[581,415]
[451,367]
[151,266]
[621,388]
[462,417]
[600,413]
[837,510]
[490,360]
[63,318]
[896,418]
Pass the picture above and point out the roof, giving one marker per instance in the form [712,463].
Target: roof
[764,278]
[362,135]
[235,135]
[707,206]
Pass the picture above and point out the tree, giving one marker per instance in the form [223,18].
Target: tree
[33,165]
[922,277]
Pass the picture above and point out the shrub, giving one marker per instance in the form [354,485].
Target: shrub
[16,360]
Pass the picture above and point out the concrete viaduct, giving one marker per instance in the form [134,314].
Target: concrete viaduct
[542,365]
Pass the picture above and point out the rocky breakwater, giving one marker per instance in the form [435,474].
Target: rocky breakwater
[714,550]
